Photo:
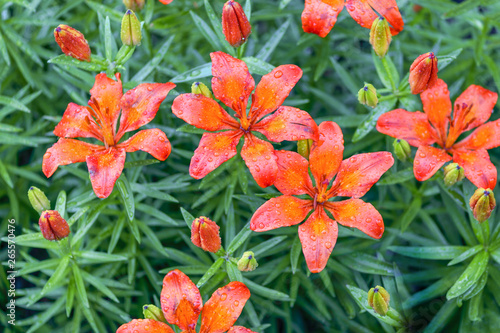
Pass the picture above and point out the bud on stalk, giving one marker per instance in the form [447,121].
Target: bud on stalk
[201,89]
[134,5]
[380,36]
[378,299]
[423,73]
[402,149]
[235,25]
[482,204]
[72,42]
[247,263]
[368,95]
[38,199]
[453,173]
[205,234]
[53,226]
[131,29]
[151,311]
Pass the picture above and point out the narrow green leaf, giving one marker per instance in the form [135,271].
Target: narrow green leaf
[80,285]
[371,119]
[431,253]
[210,272]
[266,292]
[410,214]
[470,276]
[127,196]
[240,238]
[266,51]
[233,272]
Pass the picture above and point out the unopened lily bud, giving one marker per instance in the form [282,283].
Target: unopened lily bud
[235,25]
[402,149]
[380,36]
[304,147]
[482,204]
[131,29]
[201,89]
[38,199]
[53,226]
[134,5]
[423,73]
[368,95]
[453,173]
[72,42]
[205,234]
[247,263]
[151,311]
[378,299]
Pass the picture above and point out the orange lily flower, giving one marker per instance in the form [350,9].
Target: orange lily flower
[99,121]
[319,16]
[472,109]
[354,177]
[232,85]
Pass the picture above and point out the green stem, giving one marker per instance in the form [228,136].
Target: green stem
[396,316]
[388,71]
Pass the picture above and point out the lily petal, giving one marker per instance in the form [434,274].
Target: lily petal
[104,168]
[186,315]
[319,16]
[427,161]
[293,173]
[202,112]
[152,141]
[66,151]
[477,167]
[176,288]
[437,105]
[145,325]
[108,92]
[224,307]
[140,105]
[232,83]
[326,153]
[481,102]
[273,89]
[288,123]
[363,12]
[413,127]
[318,236]
[214,149]
[486,136]
[282,211]
[77,122]
[260,159]
[358,173]
[240,329]
[355,213]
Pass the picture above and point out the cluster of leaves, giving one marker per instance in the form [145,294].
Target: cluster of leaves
[122,246]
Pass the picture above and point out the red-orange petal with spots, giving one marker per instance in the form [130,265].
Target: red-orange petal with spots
[319,16]
[278,212]
[288,123]
[176,287]
[107,93]
[413,127]
[481,101]
[477,167]
[104,168]
[224,307]
[140,105]
[232,83]
[362,11]
[202,112]
[186,316]
[355,213]
[273,89]
[166,2]
[152,141]
[214,149]
[326,152]
[66,151]
[437,105]
[240,329]
[260,160]
[427,161]
[144,325]
[486,136]
[358,173]
[318,236]
[293,173]
[77,122]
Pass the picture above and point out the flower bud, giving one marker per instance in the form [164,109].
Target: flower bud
[482,204]
[72,42]
[235,25]
[205,234]
[368,95]
[247,263]
[38,199]
[134,5]
[417,8]
[201,89]
[151,311]
[131,29]
[380,36]
[53,226]
[304,147]
[423,73]
[402,149]
[378,299]
[453,173]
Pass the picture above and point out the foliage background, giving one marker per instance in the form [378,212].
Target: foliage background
[115,273]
